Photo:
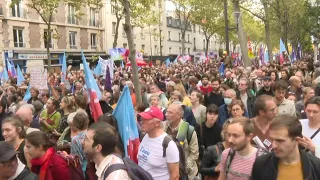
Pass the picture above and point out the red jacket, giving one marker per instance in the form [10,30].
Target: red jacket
[58,169]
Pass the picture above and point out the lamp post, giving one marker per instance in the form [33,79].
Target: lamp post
[227,28]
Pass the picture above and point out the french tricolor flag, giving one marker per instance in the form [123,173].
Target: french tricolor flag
[128,130]
[93,91]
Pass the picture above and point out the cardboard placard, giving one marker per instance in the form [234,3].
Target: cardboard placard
[38,78]
[34,64]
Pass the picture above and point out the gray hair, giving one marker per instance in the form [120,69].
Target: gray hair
[171,83]
[70,117]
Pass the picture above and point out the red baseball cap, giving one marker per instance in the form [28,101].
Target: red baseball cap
[152,112]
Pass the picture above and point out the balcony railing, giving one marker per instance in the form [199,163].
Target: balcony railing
[72,20]
[73,47]
[19,44]
[94,23]
[93,46]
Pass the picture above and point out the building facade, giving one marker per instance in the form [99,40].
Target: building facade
[23,34]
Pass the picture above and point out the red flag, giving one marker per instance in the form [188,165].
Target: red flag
[94,105]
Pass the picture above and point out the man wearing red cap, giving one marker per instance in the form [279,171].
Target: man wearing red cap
[151,156]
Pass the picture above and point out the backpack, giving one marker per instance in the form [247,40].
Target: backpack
[185,132]
[74,165]
[134,171]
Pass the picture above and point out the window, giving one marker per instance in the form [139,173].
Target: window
[125,45]
[123,32]
[194,28]
[142,47]
[199,29]
[170,50]
[169,35]
[72,14]
[188,50]
[93,41]
[114,28]
[179,36]
[45,38]
[188,37]
[155,49]
[18,38]
[142,33]
[194,43]
[134,46]
[16,9]
[93,21]
[170,21]
[72,39]
[155,35]
[113,9]
[178,23]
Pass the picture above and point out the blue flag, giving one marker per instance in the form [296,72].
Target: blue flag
[122,65]
[299,52]
[93,91]
[27,95]
[266,56]
[97,69]
[64,68]
[20,77]
[5,74]
[167,62]
[221,69]
[108,84]
[128,130]
[282,47]
[176,60]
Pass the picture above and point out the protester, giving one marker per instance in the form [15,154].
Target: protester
[151,159]
[199,111]
[285,106]
[237,108]
[307,93]
[46,163]
[215,96]
[237,161]
[189,139]
[26,116]
[50,117]
[14,134]
[99,145]
[67,107]
[246,96]
[286,161]
[11,167]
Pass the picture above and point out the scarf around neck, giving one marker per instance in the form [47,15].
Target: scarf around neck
[42,163]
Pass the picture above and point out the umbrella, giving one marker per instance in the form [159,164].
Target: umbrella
[139,62]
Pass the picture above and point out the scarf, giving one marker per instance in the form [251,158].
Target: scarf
[43,162]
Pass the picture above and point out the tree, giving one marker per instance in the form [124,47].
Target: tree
[264,16]
[183,11]
[46,10]
[207,14]
[242,35]
[117,7]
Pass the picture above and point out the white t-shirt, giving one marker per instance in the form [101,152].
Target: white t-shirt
[150,156]
[308,132]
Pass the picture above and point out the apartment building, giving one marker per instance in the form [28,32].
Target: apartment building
[146,39]
[22,33]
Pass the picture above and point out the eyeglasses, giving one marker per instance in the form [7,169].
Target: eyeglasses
[9,162]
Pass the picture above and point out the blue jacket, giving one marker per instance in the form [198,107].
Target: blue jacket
[224,115]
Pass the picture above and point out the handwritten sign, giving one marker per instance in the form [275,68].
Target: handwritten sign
[38,78]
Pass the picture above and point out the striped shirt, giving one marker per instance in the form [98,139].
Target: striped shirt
[240,167]
[115,175]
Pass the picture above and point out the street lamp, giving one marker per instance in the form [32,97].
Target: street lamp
[237,16]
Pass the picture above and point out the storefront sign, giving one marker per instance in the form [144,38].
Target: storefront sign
[32,56]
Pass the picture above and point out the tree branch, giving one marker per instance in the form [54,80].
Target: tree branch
[255,14]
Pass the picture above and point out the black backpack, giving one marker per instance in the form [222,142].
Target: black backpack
[134,171]
[182,159]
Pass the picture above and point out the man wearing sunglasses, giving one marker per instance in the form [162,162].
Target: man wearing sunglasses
[10,165]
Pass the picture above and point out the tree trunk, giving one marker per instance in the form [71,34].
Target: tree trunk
[48,45]
[183,42]
[132,56]
[242,36]
[207,46]
[116,33]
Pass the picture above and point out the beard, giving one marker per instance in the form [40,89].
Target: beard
[238,147]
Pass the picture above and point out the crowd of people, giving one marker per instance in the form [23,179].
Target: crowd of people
[259,122]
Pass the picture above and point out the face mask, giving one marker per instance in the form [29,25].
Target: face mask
[227,101]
